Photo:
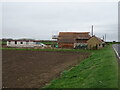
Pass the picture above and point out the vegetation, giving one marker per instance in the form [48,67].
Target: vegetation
[1,42]
[100,70]
[70,50]
[112,42]
[49,42]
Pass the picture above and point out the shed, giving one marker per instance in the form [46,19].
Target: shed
[24,43]
[95,43]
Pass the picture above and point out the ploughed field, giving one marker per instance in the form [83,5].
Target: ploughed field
[34,69]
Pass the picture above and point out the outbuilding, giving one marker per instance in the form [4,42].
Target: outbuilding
[24,43]
[95,43]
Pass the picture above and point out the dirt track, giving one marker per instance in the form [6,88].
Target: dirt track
[33,69]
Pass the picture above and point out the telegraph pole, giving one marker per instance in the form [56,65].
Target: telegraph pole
[92,30]
[105,37]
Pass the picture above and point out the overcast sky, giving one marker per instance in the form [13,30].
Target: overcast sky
[43,19]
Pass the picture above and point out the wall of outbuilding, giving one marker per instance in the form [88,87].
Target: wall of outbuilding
[94,43]
[24,44]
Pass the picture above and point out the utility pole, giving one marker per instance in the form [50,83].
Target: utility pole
[105,37]
[92,31]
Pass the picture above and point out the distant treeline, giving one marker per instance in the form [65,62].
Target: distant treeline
[113,42]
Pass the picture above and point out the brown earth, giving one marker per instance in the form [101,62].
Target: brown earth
[34,69]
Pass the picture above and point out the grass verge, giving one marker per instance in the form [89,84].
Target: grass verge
[32,49]
[100,70]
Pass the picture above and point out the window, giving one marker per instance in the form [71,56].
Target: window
[9,42]
[37,42]
[15,42]
[21,42]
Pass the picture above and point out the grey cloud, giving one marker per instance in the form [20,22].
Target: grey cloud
[41,20]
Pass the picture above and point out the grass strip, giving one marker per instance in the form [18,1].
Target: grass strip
[100,70]
[32,49]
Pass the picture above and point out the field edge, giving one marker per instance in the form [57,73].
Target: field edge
[100,70]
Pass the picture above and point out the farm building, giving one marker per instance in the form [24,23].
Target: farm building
[24,43]
[73,39]
[95,43]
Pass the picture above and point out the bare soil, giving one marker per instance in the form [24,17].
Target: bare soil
[34,69]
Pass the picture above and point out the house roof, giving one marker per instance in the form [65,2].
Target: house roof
[97,38]
[74,32]
[20,40]
[72,36]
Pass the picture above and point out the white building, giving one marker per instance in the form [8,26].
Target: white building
[24,43]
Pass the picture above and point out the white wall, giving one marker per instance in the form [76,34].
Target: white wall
[25,44]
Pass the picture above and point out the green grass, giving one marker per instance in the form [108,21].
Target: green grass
[1,42]
[49,43]
[100,70]
[32,49]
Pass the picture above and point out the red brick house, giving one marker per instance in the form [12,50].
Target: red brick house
[72,39]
